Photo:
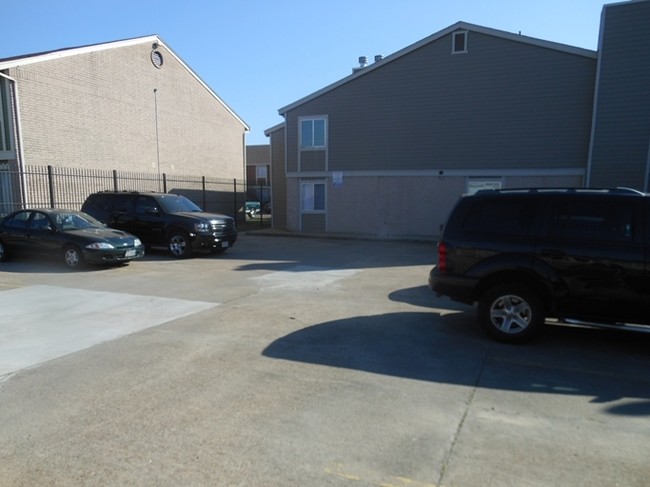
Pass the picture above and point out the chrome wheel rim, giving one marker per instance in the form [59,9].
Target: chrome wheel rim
[510,314]
[72,258]
[177,245]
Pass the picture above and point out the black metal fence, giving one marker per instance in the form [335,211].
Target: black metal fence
[59,187]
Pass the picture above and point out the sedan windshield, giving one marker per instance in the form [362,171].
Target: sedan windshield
[173,203]
[75,221]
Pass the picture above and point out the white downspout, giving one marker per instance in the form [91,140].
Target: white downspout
[19,141]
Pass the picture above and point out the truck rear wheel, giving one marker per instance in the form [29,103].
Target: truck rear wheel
[511,313]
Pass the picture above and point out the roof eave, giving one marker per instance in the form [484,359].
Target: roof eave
[434,37]
[275,128]
[59,54]
[73,51]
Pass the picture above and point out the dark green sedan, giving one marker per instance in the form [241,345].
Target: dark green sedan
[73,236]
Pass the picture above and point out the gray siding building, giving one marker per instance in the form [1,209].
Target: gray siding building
[621,132]
[387,150]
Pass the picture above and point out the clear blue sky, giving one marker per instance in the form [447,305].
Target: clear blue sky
[261,55]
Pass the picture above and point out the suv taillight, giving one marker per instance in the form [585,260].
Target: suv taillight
[442,257]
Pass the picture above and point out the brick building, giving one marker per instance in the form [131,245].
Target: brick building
[130,105]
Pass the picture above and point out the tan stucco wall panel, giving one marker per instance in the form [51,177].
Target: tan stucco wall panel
[399,206]
[409,206]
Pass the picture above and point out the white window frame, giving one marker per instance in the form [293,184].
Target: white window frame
[454,36]
[313,145]
[307,196]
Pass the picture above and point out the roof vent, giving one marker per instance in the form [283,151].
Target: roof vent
[157,59]
[363,62]
[378,58]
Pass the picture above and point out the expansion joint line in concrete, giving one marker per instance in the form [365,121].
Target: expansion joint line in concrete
[468,405]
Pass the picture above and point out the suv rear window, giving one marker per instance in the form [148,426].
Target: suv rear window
[501,216]
[98,202]
[600,220]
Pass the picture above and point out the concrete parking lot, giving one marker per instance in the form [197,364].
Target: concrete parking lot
[301,362]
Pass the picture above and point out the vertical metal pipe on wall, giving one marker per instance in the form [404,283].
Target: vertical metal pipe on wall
[155,101]
[234,192]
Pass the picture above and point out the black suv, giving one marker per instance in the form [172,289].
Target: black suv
[163,220]
[524,255]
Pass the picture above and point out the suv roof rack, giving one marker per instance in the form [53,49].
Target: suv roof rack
[129,191]
[617,190]
[622,189]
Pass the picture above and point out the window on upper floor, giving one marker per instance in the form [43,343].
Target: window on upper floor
[261,175]
[459,42]
[313,133]
[312,196]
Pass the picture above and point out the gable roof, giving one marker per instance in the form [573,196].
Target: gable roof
[434,37]
[16,61]
[275,128]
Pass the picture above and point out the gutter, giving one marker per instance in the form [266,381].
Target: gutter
[19,140]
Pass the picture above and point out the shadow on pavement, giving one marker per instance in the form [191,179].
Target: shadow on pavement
[449,348]
[44,265]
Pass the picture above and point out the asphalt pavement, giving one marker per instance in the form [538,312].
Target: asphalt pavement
[301,362]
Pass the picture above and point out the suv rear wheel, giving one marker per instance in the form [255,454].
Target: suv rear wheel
[179,245]
[511,313]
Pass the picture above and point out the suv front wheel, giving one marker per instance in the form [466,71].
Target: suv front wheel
[511,313]
[3,251]
[179,244]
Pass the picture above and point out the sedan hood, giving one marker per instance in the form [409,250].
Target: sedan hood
[116,237]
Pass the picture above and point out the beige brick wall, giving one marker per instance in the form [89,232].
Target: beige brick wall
[98,110]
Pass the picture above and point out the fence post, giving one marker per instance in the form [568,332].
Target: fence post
[204,197]
[234,181]
[50,181]
[164,182]
[115,180]
[261,205]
